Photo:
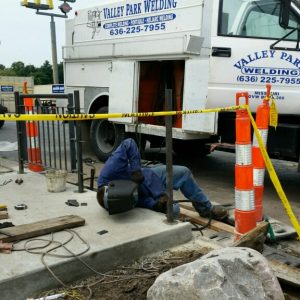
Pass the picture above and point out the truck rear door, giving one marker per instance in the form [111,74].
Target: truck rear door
[242,60]
[123,88]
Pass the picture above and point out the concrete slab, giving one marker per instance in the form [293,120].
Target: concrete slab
[129,236]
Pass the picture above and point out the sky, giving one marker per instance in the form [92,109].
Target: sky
[25,36]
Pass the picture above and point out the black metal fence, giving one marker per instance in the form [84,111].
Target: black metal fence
[49,144]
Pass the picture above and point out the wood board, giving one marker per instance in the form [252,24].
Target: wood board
[215,225]
[3,215]
[22,232]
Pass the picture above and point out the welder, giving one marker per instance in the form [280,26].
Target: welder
[123,184]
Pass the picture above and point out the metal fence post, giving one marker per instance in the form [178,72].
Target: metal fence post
[169,156]
[21,134]
[72,133]
[79,144]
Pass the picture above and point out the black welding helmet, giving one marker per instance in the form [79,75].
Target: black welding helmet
[120,196]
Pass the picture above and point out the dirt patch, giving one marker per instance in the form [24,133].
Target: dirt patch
[133,281]
[127,282]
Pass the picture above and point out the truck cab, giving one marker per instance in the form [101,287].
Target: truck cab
[122,55]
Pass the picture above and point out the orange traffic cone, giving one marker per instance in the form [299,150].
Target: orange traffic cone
[245,218]
[262,122]
[33,148]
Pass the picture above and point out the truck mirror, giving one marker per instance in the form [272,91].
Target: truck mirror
[284,15]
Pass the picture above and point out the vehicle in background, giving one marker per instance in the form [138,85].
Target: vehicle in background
[122,55]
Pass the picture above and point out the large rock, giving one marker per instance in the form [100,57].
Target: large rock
[229,273]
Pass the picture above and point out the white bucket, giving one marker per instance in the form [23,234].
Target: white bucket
[56,180]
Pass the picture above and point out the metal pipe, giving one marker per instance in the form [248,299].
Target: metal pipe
[169,157]
[43,96]
[54,51]
[19,135]
[72,133]
[92,179]
[79,144]
[65,142]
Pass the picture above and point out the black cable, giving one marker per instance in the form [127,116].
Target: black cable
[185,201]
[200,228]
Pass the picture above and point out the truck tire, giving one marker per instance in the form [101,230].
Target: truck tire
[1,124]
[105,136]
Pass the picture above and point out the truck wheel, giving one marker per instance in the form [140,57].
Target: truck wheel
[105,136]
[1,124]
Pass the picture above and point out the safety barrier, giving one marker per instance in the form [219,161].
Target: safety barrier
[245,107]
[32,132]
[245,219]
[262,122]
[48,145]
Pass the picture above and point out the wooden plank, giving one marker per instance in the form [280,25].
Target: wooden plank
[3,215]
[22,232]
[255,238]
[215,225]
[285,273]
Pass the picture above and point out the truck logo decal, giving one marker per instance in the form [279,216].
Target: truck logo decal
[258,67]
[270,71]
[140,21]
[97,20]
[94,21]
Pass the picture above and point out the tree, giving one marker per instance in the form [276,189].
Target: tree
[46,69]
[41,75]
[30,70]
[40,78]
[19,68]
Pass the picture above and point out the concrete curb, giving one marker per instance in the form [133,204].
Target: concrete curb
[25,285]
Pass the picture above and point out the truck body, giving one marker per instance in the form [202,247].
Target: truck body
[122,55]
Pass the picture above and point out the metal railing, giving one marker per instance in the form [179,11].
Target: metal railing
[58,142]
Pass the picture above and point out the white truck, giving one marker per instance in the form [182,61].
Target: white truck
[122,55]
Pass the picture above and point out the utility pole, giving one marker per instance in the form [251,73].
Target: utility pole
[54,51]
[64,8]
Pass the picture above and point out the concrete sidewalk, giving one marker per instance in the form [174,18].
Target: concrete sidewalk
[129,236]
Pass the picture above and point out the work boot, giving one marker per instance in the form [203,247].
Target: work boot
[218,212]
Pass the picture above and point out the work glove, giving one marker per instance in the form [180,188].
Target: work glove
[161,205]
[137,176]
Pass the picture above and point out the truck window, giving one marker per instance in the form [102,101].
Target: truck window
[255,19]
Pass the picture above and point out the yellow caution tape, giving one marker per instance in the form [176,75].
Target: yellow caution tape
[273,114]
[84,117]
[274,177]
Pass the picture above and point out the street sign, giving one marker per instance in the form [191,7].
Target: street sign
[7,88]
[58,88]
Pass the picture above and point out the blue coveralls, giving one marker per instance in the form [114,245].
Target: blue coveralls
[126,159]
